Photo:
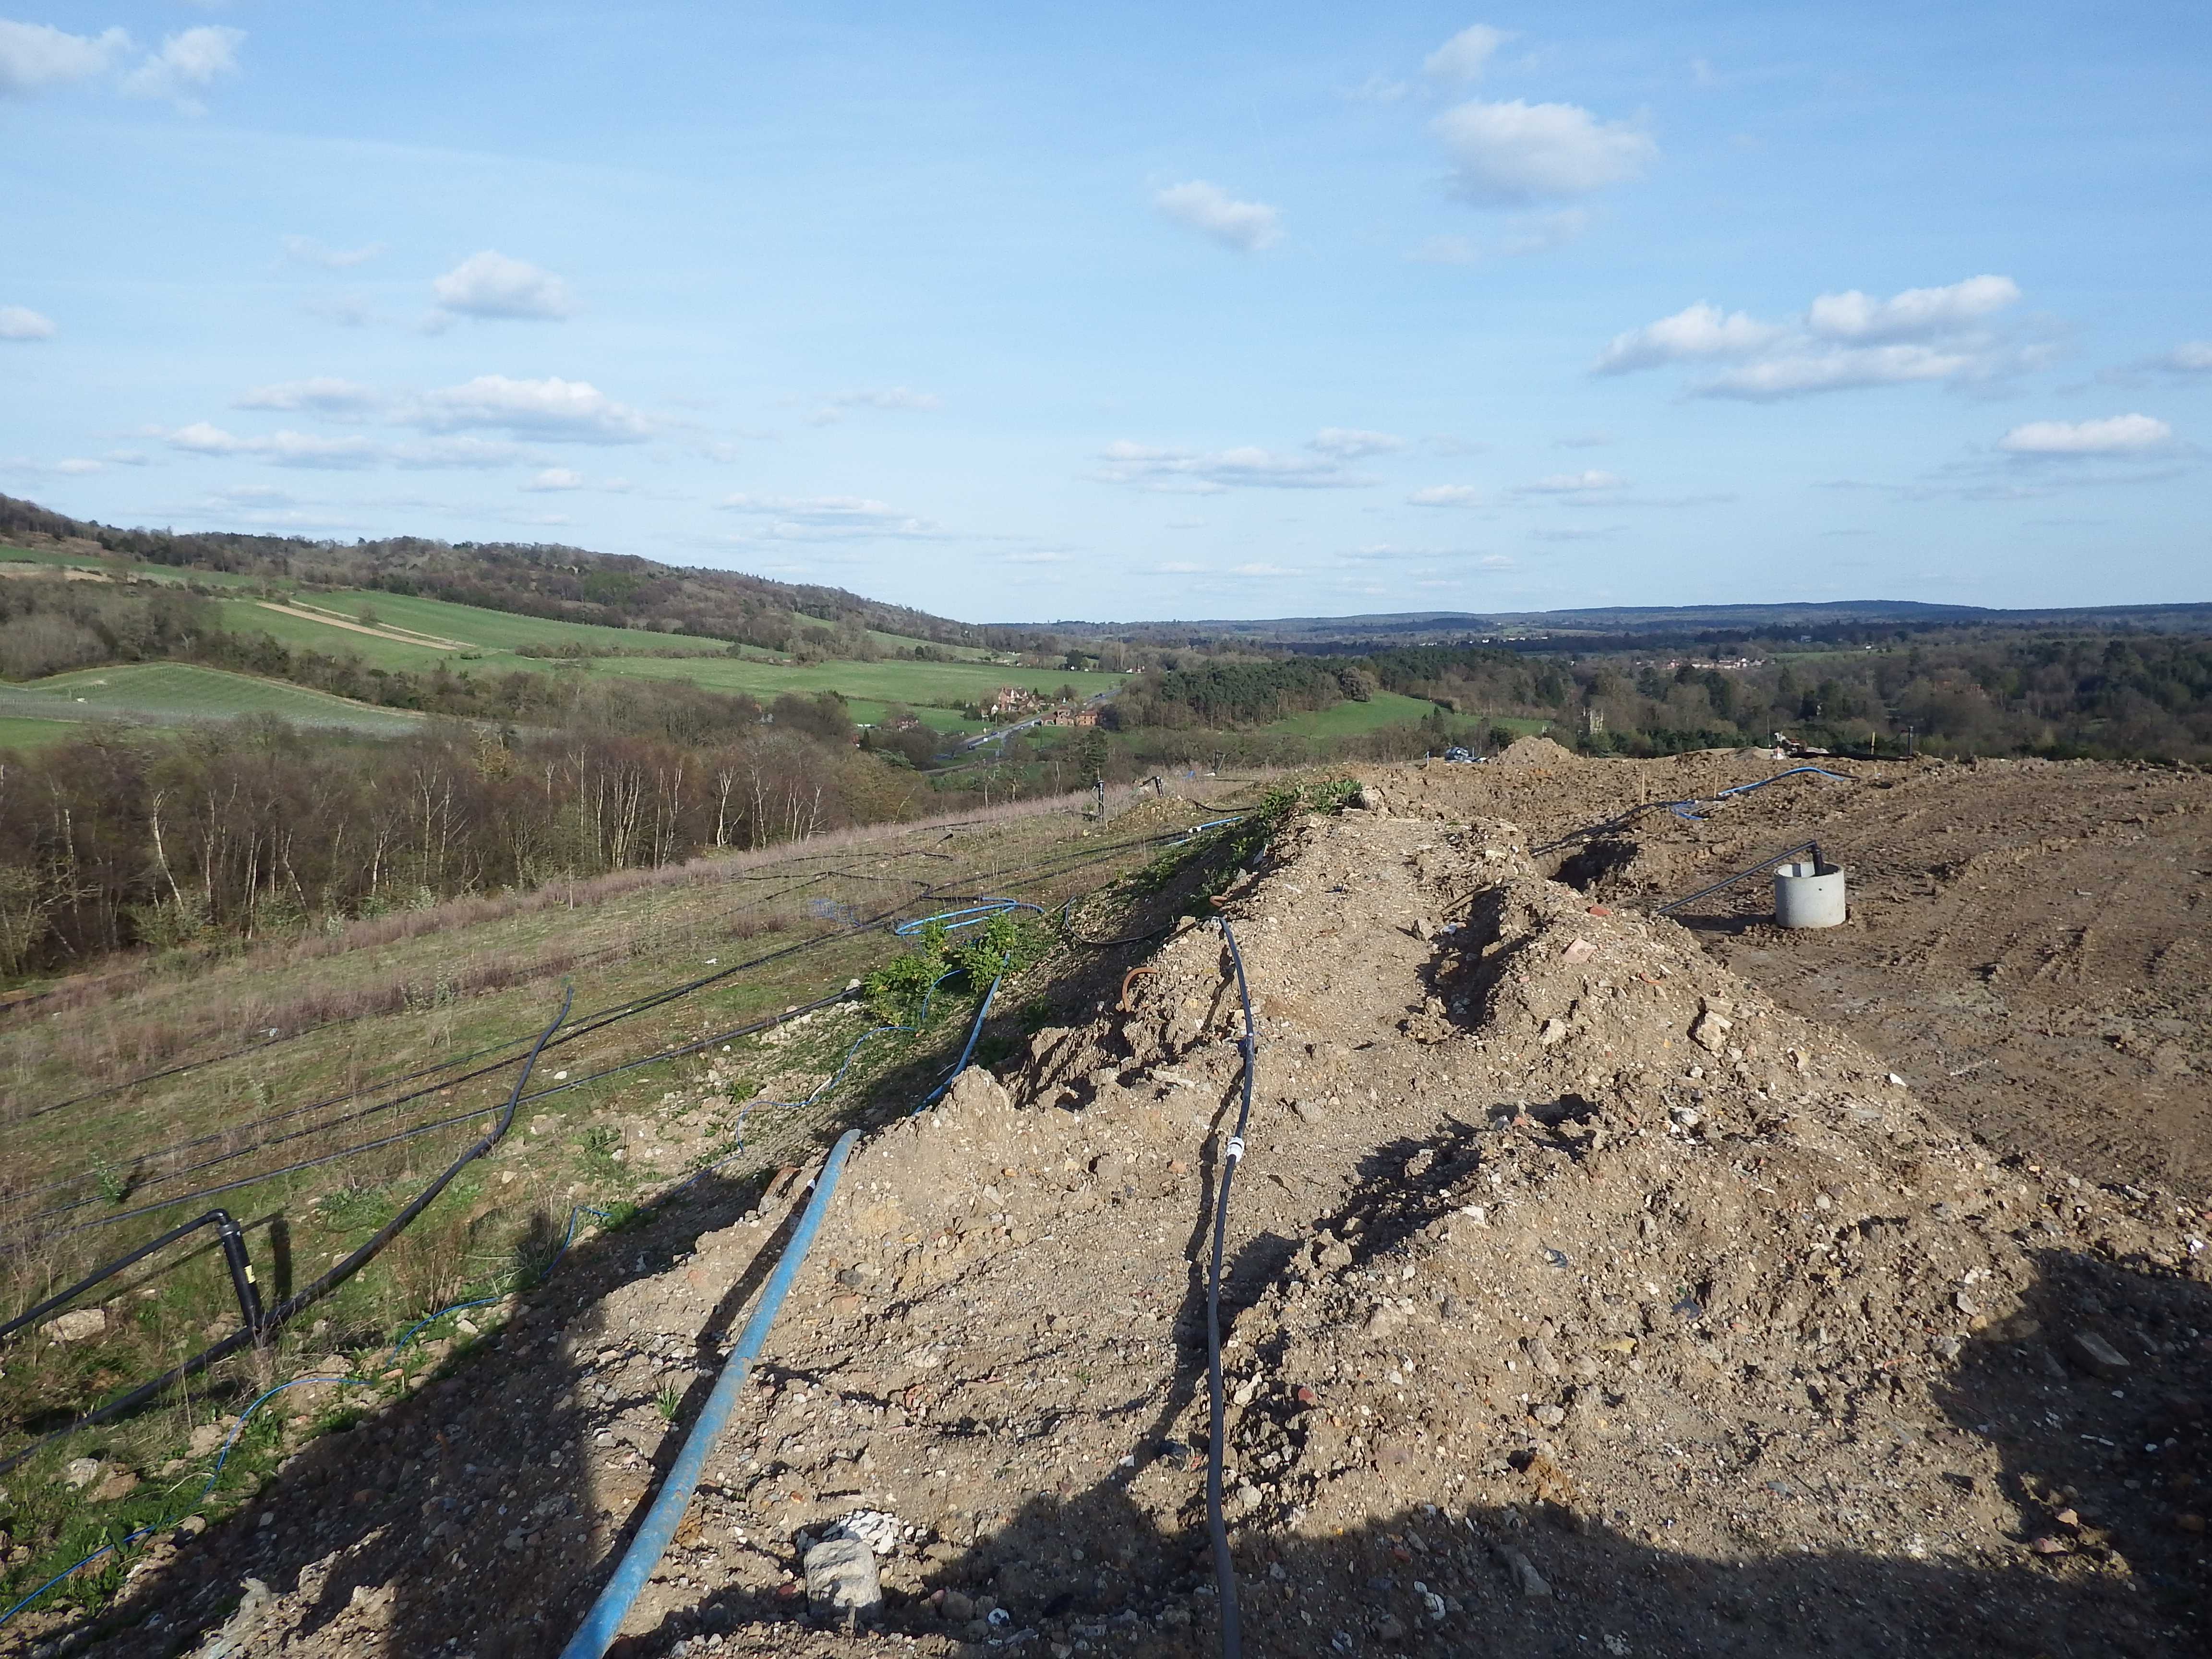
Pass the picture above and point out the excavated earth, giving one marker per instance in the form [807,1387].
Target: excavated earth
[1597,1283]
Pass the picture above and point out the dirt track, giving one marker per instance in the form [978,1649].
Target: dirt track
[1596,1287]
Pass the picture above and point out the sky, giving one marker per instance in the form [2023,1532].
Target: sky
[1020,312]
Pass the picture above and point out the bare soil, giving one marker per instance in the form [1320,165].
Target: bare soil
[1597,1283]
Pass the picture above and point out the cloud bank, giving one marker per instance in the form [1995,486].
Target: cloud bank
[1843,342]
[34,57]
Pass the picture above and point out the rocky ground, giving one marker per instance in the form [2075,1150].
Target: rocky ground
[1591,1295]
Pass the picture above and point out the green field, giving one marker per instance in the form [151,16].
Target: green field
[932,690]
[176,693]
[1352,719]
[22,731]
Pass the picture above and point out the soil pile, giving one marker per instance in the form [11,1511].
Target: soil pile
[1584,1299]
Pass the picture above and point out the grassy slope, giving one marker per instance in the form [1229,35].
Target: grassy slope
[169,692]
[396,994]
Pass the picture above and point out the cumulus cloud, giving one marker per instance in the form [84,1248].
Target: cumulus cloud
[1510,154]
[34,57]
[1446,495]
[1466,55]
[189,62]
[1843,341]
[834,406]
[490,284]
[829,517]
[306,251]
[1348,443]
[1248,227]
[325,395]
[22,322]
[1187,471]
[574,410]
[556,477]
[304,449]
[2115,435]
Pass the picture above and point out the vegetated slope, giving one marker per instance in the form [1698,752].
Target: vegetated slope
[540,580]
[175,693]
[1582,1296]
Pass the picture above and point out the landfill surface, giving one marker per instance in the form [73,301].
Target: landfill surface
[1596,1282]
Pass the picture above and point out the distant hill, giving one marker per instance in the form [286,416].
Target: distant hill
[545,579]
[1637,622]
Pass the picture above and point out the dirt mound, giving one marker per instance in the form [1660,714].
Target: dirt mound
[1524,753]
[1565,1260]
[1582,1296]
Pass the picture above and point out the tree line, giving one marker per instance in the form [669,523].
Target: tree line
[120,839]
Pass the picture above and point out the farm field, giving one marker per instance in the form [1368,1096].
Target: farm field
[175,693]
[932,689]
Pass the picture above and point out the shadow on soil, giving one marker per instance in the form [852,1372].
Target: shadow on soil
[467,1520]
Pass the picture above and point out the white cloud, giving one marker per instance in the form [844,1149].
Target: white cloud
[308,252]
[556,477]
[1510,154]
[1842,342]
[1915,314]
[1701,330]
[22,322]
[1572,483]
[574,410]
[34,56]
[1260,567]
[490,284]
[1191,472]
[304,449]
[332,398]
[1446,495]
[834,405]
[1348,443]
[189,62]
[2115,435]
[830,518]
[1466,55]
[1209,210]
[1596,438]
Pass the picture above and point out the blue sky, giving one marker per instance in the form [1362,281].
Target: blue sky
[1019,313]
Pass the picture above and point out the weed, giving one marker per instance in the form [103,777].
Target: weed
[598,1145]
[668,1402]
[113,1181]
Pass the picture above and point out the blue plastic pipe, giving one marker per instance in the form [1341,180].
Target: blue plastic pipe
[600,1625]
